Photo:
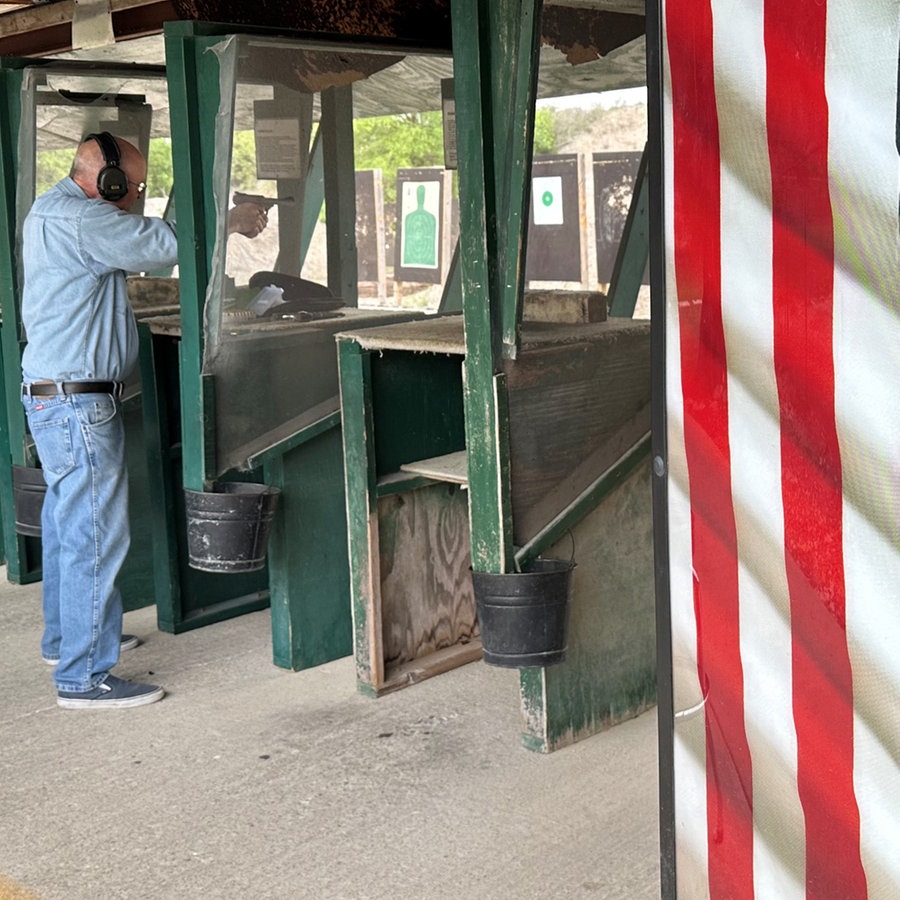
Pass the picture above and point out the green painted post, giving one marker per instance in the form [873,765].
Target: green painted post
[516,30]
[10,120]
[193,79]
[10,87]
[340,193]
[359,474]
[156,416]
[309,574]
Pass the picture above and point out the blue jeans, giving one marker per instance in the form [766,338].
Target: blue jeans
[80,440]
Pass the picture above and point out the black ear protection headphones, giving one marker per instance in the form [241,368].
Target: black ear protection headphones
[112,183]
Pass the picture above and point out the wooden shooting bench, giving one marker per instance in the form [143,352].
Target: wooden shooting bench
[273,417]
[578,416]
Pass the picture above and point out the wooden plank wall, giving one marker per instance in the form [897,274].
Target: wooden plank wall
[609,674]
[574,407]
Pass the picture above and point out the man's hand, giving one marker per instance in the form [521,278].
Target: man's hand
[248,219]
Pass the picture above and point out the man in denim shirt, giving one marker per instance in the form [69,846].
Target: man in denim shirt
[79,241]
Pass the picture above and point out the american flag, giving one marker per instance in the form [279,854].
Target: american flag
[781,179]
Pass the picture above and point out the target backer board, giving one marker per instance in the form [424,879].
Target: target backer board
[778,467]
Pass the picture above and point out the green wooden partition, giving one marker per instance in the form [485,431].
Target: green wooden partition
[23,554]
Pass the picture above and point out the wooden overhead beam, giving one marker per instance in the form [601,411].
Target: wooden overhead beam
[46,29]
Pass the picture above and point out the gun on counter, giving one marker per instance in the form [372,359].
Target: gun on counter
[257,199]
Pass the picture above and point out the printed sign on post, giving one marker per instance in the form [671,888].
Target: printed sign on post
[278,147]
[448,109]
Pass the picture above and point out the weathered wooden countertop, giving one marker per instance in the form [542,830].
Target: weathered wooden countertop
[248,324]
[445,334]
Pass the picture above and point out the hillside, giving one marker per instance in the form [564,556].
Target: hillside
[597,129]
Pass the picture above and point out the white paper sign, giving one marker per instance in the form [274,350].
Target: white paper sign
[278,148]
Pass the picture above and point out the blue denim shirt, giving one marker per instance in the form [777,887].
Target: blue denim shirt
[75,308]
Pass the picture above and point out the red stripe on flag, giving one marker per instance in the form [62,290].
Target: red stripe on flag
[697,252]
[803,281]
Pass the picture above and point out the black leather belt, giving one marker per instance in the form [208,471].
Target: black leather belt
[52,388]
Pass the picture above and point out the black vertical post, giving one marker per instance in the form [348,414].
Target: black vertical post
[665,699]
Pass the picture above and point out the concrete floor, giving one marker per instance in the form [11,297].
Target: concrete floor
[250,782]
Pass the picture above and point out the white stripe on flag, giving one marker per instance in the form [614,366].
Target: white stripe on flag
[739,54]
[861,82]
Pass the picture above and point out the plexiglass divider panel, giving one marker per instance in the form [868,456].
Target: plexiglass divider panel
[269,314]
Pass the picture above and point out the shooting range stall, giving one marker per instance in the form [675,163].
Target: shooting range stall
[526,439]
[47,106]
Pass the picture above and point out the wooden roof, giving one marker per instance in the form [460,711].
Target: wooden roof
[589,45]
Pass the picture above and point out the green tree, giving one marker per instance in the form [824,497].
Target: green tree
[52,166]
[243,163]
[411,140]
[545,130]
[159,167]
[416,140]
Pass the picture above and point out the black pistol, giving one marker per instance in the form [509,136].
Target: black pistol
[265,202]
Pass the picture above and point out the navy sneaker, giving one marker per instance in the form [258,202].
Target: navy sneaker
[129,642]
[113,693]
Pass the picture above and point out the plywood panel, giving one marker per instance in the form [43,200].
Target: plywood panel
[427,603]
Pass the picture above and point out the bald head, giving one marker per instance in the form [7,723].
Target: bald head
[89,161]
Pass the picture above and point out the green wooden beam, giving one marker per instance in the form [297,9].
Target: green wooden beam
[10,402]
[314,195]
[516,34]
[358,431]
[155,408]
[309,574]
[22,555]
[340,193]
[633,251]
[321,418]
[10,119]
[584,503]
[451,296]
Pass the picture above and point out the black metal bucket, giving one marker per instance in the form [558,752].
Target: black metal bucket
[29,489]
[523,616]
[228,527]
